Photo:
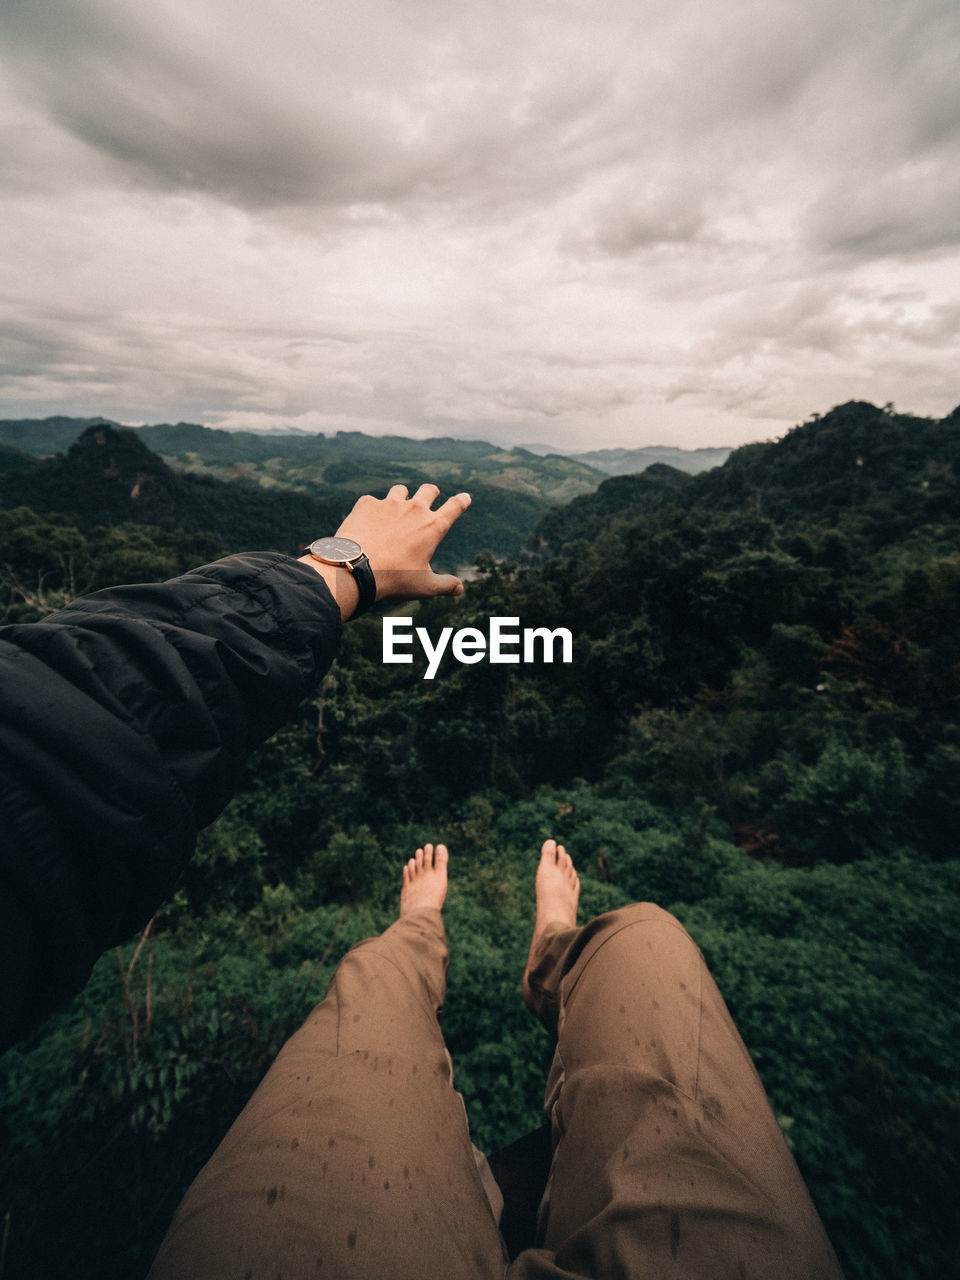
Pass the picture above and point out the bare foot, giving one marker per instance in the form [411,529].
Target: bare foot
[424,879]
[557,887]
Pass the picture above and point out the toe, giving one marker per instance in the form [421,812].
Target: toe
[549,849]
[440,856]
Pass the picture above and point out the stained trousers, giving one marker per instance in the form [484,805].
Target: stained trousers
[353,1157]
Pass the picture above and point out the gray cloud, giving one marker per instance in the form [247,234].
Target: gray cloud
[180,117]
[900,214]
[673,219]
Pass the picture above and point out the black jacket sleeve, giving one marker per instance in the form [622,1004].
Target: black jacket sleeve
[125,720]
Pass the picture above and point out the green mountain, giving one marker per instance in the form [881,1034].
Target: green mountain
[851,461]
[348,460]
[855,456]
[511,489]
[45,436]
[515,482]
[208,444]
[616,498]
[292,484]
[12,459]
[109,477]
[625,462]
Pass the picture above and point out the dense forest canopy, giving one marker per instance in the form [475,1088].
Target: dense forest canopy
[760,730]
[234,485]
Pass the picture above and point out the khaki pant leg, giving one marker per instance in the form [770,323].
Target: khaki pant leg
[669,1162]
[353,1156]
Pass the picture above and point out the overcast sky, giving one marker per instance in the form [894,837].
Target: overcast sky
[633,223]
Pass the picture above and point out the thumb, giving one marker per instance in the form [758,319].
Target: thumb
[446,584]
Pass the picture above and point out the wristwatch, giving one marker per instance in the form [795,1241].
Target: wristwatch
[344,553]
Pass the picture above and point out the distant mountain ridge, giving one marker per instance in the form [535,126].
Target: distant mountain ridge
[213,445]
[629,462]
[291,483]
[259,490]
[346,460]
[853,458]
[109,476]
[44,436]
[512,489]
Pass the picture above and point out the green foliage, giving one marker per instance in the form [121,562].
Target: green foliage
[109,477]
[131,1089]
[849,803]
[45,561]
[14,459]
[760,731]
[500,1053]
[843,983]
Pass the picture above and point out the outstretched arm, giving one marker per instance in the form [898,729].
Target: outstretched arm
[125,720]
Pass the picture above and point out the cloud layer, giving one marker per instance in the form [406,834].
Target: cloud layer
[675,223]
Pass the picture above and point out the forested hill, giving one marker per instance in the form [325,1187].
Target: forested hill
[856,458]
[629,462]
[108,477]
[759,729]
[348,461]
[45,436]
[281,488]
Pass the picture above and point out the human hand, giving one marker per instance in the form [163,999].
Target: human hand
[400,534]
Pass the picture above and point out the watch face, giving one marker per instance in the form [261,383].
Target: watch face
[336,550]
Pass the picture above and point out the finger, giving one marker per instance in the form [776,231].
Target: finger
[443,584]
[426,495]
[397,491]
[452,510]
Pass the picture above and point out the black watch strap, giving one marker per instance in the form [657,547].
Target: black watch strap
[366,583]
[345,553]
